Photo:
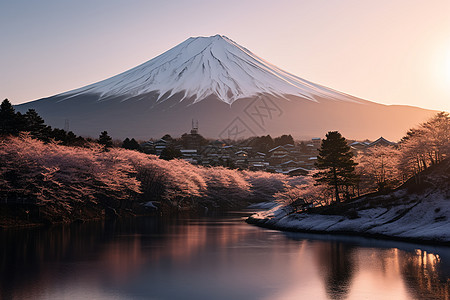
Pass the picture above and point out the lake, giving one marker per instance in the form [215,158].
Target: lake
[212,257]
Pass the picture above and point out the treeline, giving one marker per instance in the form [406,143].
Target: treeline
[259,143]
[70,178]
[13,123]
[172,150]
[265,143]
[341,176]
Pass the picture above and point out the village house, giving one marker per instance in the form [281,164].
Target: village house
[297,172]
[381,142]
[189,155]
[358,147]
[160,145]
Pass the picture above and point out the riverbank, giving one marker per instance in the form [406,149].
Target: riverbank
[399,216]
[34,215]
[417,211]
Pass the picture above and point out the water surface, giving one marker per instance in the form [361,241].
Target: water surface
[216,257]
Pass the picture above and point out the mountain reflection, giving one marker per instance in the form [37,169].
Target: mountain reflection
[120,250]
[211,258]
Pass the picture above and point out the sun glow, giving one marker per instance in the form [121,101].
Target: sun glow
[443,65]
[447,68]
[439,75]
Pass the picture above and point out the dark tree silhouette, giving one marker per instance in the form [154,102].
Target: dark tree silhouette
[134,145]
[34,123]
[131,144]
[336,160]
[283,140]
[126,143]
[262,143]
[336,267]
[169,153]
[8,119]
[105,140]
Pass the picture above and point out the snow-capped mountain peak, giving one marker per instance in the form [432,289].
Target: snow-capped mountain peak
[204,66]
[232,92]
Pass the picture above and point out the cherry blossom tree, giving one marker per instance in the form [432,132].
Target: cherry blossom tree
[426,145]
[378,167]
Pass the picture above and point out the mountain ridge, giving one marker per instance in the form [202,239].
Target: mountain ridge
[227,70]
[223,85]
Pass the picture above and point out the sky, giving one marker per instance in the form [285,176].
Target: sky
[386,51]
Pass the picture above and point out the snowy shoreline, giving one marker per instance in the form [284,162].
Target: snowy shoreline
[421,220]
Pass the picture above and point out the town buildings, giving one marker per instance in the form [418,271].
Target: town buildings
[293,159]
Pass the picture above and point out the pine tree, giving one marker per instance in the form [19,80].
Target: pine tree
[8,119]
[105,140]
[336,160]
[34,123]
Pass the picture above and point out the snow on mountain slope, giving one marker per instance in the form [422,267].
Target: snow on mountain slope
[231,92]
[204,66]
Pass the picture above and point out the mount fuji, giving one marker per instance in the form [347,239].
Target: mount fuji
[230,91]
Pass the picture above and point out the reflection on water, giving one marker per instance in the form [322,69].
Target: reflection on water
[212,258]
[426,275]
[335,261]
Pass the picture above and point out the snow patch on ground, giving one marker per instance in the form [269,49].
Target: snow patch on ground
[425,218]
[263,205]
[150,204]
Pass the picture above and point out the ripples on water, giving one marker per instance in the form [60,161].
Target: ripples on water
[217,257]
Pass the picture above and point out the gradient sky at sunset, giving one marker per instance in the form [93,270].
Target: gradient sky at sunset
[387,51]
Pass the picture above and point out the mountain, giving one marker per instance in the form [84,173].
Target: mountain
[230,91]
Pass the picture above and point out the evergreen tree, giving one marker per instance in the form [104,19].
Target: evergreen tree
[34,123]
[70,139]
[58,134]
[20,123]
[8,119]
[283,140]
[105,140]
[131,144]
[169,153]
[336,160]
